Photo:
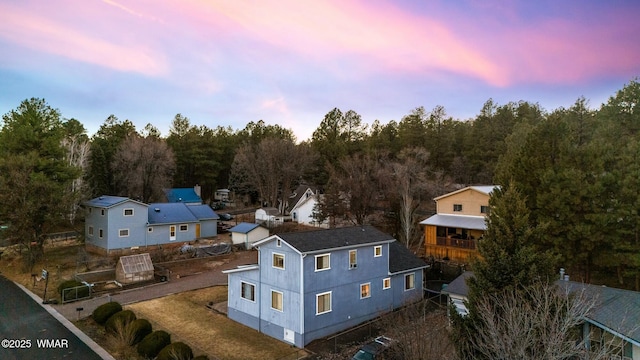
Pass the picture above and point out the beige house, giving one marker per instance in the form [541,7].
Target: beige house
[452,233]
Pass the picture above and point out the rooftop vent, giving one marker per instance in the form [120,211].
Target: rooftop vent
[156,209]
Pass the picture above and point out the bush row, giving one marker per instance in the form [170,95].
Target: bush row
[149,343]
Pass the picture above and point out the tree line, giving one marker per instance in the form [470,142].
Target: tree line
[578,169]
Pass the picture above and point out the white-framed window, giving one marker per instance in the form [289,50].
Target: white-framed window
[323,262]
[123,233]
[323,303]
[410,281]
[353,259]
[128,212]
[100,233]
[248,291]
[276,300]
[102,212]
[184,227]
[457,207]
[365,290]
[150,229]
[377,251]
[90,231]
[386,283]
[278,261]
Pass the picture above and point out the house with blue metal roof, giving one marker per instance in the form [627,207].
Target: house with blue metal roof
[189,196]
[308,285]
[119,223]
[246,234]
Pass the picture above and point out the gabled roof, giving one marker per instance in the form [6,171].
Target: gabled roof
[485,189]
[133,264]
[203,212]
[326,239]
[244,228]
[401,259]
[460,221]
[186,195]
[170,213]
[297,195]
[615,310]
[459,285]
[107,201]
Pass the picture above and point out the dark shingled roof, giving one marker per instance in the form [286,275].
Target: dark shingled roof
[309,241]
[459,285]
[616,309]
[401,259]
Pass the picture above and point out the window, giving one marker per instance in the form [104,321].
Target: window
[184,227]
[410,281]
[102,212]
[377,251]
[386,283]
[353,259]
[323,262]
[484,209]
[123,232]
[323,303]
[90,230]
[457,207]
[365,290]
[276,300]
[128,212]
[100,234]
[278,261]
[278,243]
[248,291]
[150,229]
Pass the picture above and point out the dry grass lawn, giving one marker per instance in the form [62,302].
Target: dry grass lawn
[186,317]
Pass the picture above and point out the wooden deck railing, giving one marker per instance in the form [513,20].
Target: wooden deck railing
[455,242]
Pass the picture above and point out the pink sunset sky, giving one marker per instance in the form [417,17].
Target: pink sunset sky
[289,62]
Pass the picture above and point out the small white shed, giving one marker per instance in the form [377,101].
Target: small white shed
[247,233]
[269,216]
[134,268]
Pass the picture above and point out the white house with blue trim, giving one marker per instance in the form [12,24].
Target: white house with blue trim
[308,285]
[119,223]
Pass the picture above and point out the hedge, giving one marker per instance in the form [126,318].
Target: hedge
[103,312]
[151,345]
[175,351]
[140,328]
[125,317]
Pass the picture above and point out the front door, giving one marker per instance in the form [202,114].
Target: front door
[197,231]
[172,232]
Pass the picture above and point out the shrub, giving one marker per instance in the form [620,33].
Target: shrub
[176,351]
[121,318]
[103,312]
[151,345]
[140,328]
[82,292]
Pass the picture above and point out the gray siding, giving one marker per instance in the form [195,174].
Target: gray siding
[161,232]
[208,228]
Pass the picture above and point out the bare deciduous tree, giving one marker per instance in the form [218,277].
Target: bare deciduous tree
[539,322]
[271,168]
[143,167]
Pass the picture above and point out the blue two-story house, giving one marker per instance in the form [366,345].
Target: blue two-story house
[118,223]
[308,285]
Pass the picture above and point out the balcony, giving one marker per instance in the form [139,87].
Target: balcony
[456,242]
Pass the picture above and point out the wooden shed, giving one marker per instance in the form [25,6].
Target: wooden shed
[134,268]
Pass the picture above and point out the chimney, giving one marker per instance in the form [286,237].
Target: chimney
[561,273]
[197,190]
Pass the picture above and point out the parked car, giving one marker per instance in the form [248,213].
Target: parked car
[225,217]
[377,349]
